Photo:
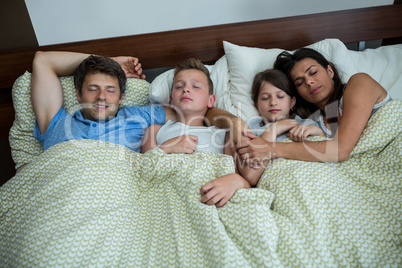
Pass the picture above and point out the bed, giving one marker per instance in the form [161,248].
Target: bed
[92,203]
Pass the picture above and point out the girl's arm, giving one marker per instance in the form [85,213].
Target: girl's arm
[278,128]
[360,95]
[301,132]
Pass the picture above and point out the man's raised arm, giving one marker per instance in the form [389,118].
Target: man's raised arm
[46,89]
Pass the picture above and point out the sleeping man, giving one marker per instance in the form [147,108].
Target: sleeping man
[100,84]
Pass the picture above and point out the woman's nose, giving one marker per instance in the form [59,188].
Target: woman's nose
[309,81]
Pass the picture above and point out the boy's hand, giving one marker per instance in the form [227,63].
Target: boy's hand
[131,66]
[184,144]
[219,191]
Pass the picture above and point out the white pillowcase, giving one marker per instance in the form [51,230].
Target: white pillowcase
[384,65]
[233,74]
[245,62]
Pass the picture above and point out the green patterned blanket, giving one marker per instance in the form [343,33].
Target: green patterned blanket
[88,203]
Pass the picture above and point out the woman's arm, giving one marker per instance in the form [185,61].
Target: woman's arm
[360,95]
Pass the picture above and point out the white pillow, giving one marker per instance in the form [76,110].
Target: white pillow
[384,65]
[245,62]
[160,88]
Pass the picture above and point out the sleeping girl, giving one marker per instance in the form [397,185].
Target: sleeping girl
[272,96]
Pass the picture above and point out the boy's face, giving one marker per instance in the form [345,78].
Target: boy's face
[190,93]
[100,97]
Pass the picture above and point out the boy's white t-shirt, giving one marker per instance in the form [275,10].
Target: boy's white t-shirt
[210,139]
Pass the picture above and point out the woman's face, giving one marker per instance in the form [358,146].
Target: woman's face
[313,82]
[273,104]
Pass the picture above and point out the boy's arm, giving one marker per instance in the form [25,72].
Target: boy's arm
[149,140]
[184,144]
[250,174]
[224,119]
[46,89]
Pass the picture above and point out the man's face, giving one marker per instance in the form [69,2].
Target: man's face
[100,97]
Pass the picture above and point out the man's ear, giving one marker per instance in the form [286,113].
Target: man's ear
[211,101]
[121,98]
[78,95]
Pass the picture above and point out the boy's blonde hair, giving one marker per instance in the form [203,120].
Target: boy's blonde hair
[196,64]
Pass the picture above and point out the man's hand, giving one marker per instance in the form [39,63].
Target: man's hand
[184,144]
[131,66]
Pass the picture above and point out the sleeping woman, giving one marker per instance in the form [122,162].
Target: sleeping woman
[318,85]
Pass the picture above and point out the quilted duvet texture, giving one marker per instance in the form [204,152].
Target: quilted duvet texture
[88,203]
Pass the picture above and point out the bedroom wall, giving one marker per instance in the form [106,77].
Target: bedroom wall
[60,21]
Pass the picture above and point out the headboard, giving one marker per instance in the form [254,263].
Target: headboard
[167,48]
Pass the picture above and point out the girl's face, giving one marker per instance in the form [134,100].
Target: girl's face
[313,82]
[274,104]
[190,92]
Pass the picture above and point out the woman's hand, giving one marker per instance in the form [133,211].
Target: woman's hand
[219,191]
[131,66]
[184,144]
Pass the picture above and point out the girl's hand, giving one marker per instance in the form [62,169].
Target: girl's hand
[219,191]
[301,132]
[184,144]
[285,125]
[131,66]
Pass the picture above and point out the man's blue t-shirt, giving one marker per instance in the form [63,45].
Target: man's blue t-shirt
[127,128]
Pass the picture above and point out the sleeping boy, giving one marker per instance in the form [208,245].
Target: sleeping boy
[191,97]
